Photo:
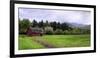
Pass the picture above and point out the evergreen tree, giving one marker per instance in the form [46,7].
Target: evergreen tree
[34,23]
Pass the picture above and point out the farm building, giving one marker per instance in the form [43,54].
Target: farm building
[34,31]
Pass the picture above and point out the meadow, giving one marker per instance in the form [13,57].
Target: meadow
[26,42]
[59,41]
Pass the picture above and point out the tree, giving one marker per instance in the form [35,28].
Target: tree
[76,31]
[67,32]
[85,31]
[64,26]
[58,31]
[58,25]
[41,24]
[23,25]
[46,24]
[54,25]
[48,30]
[34,23]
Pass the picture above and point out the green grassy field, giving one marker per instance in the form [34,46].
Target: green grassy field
[68,40]
[26,42]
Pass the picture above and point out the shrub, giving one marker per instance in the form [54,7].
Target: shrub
[58,31]
[66,32]
[48,30]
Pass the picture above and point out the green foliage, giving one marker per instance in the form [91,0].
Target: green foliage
[23,25]
[85,31]
[51,27]
[76,31]
[34,23]
[66,32]
[54,25]
[41,24]
[58,31]
[64,26]
[48,30]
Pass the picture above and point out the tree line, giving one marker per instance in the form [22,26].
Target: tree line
[50,27]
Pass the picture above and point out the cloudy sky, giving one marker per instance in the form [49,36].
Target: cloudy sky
[71,16]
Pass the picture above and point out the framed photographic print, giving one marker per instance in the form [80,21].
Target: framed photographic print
[43,28]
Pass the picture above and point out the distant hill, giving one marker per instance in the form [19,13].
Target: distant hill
[82,26]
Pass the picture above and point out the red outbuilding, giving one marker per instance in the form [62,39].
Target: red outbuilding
[34,31]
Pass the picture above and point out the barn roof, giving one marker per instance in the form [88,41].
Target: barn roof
[37,29]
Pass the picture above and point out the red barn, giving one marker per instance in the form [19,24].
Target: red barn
[34,31]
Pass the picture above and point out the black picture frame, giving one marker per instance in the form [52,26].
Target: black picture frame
[12,29]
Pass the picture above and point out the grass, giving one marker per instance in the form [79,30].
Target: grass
[26,42]
[68,40]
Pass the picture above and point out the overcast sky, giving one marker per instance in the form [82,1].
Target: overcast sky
[71,16]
